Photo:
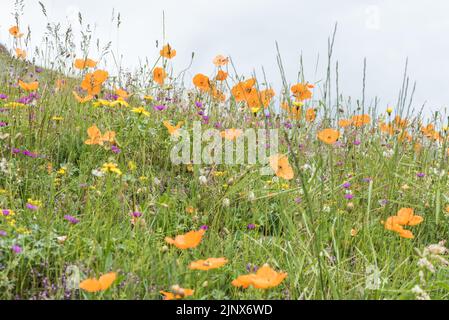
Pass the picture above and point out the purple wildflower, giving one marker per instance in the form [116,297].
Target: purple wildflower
[71,219]
[205,228]
[111,97]
[6,212]
[16,249]
[159,108]
[31,207]
[3,124]
[357,142]
[421,175]
[251,226]
[3,233]
[137,214]
[251,268]
[3,96]
[115,149]
[298,200]
[29,154]
[199,104]
[349,196]
[346,185]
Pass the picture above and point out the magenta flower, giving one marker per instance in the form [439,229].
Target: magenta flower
[205,228]
[32,207]
[349,196]
[137,214]
[421,175]
[346,185]
[16,249]
[115,149]
[29,154]
[251,226]
[288,125]
[71,219]
[6,212]
[3,233]
[3,96]
[159,108]
[199,104]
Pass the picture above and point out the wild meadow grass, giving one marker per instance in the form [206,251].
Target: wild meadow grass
[363,217]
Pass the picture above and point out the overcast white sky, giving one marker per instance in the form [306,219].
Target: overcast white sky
[386,32]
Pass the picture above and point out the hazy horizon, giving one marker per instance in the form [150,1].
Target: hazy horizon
[385,32]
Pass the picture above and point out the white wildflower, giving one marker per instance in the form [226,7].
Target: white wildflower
[203,180]
[420,293]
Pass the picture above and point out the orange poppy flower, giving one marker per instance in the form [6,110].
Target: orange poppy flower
[167,52]
[281,166]
[201,82]
[102,284]
[361,120]
[122,94]
[266,96]
[172,130]
[301,91]
[31,86]
[407,217]
[93,82]
[82,100]
[344,123]
[159,75]
[231,134]
[218,95]
[387,128]
[15,32]
[96,138]
[220,61]
[221,75]
[189,240]
[21,54]
[209,264]
[310,115]
[329,136]
[404,217]
[253,100]
[82,64]
[242,89]
[400,123]
[265,278]
[178,293]
[405,136]
[295,113]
